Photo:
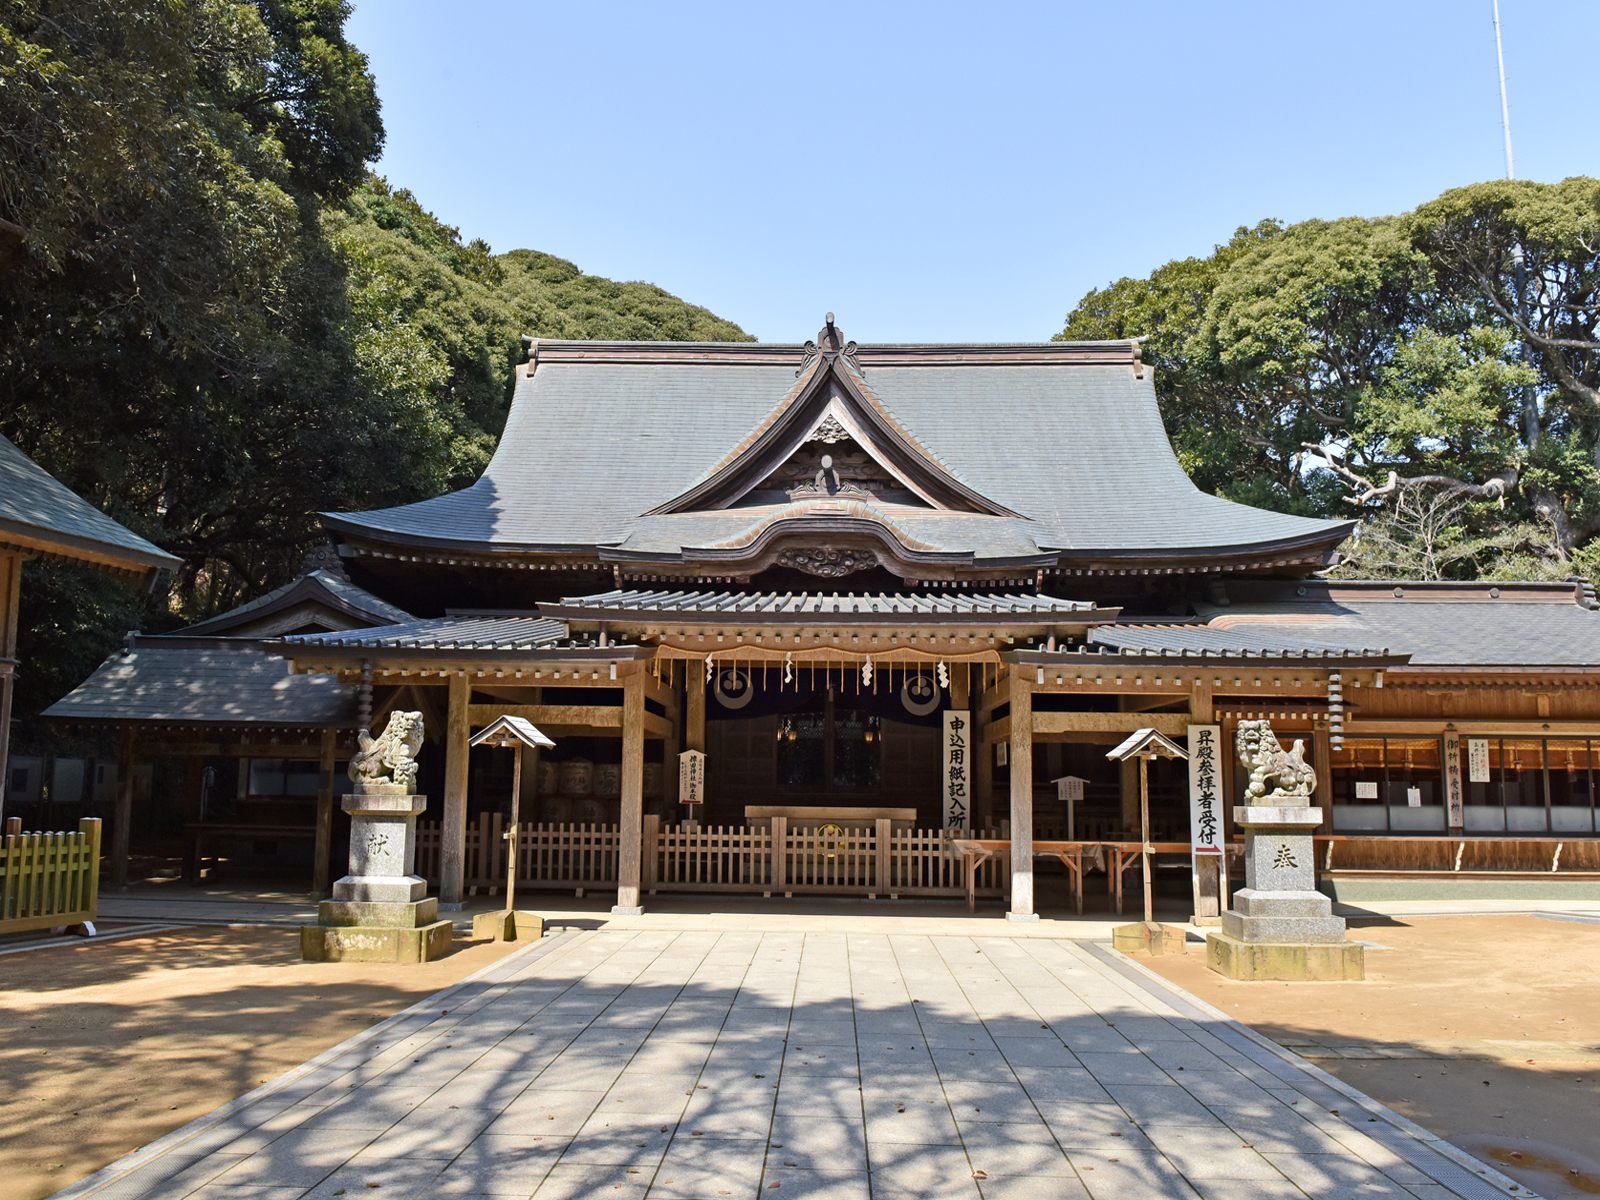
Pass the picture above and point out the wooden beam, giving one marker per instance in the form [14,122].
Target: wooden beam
[631,827]
[457,749]
[322,850]
[998,731]
[156,748]
[1021,762]
[656,690]
[1171,724]
[595,716]
[1484,727]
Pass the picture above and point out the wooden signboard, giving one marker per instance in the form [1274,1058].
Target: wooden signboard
[957,774]
[692,777]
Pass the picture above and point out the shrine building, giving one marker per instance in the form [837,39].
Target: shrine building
[903,599]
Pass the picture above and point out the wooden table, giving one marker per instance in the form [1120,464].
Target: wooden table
[977,851]
[195,834]
[1124,855]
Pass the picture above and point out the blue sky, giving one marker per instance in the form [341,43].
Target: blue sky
[940,172]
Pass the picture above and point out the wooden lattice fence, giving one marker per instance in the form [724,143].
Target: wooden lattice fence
[874,860]
[49,879]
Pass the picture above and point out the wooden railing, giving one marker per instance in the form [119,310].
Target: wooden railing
[49,879]
[877,860]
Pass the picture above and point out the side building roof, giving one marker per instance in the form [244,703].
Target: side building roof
[1439,626]
[205,681]
[41,515]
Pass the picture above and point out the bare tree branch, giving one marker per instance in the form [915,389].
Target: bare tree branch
[1494,488]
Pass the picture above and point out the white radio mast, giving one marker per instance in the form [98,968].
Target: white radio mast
[1505,109]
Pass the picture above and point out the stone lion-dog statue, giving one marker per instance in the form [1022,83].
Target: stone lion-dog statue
[390,759]
[1277,776]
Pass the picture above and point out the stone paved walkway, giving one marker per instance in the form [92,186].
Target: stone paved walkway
[715,1064]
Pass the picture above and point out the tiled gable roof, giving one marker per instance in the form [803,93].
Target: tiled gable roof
[1068,436]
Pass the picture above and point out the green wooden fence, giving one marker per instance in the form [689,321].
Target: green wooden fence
[49,879]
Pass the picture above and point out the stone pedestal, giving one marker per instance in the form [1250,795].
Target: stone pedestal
[1280,926]
[378,912]
[1149,938]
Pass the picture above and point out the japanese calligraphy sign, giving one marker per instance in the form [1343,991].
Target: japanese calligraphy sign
[1478,760]
[1454,794]
[1205,789]
[957,768]
[692,777]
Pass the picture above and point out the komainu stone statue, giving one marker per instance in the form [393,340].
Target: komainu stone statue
[1277,776]
[390,759]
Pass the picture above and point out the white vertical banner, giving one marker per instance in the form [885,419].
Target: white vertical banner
[1205,789]
[1454,793]
[957,768]
[1478,760]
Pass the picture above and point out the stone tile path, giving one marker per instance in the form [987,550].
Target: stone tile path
[682,1065]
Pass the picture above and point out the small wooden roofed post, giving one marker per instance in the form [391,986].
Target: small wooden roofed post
[1143,745]
[517,734]
[42,517]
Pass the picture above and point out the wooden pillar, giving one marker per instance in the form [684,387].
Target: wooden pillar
[983,762]
[1128,786]
[1021,757]
[122,819]
[10,602]
[528,796]
[631,825]
[670,746]
[453,833]
[322,849]
[695,727]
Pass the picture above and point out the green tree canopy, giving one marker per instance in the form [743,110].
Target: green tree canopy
[218,323]
[1332,366]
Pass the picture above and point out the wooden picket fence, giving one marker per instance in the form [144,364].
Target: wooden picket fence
[49,879]
[578,857]
[872,861]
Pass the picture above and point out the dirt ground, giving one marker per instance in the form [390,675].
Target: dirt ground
[1485,1030]
[108,1047]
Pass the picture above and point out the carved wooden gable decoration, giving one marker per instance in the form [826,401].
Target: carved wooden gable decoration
[831,438]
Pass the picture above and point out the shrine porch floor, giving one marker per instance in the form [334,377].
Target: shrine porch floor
[723,1062]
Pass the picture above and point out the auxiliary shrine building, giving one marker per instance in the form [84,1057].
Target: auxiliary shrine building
[904,600]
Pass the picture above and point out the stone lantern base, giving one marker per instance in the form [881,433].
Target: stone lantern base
[1280,926]
[1284,960]
[378,912]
